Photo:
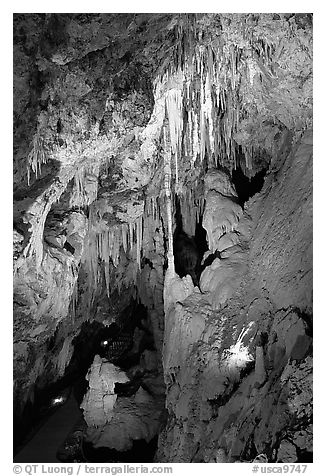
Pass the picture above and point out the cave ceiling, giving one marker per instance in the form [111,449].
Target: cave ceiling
[102,100]
[93,93]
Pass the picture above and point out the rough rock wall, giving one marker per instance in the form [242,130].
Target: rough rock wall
[40,308]
[238,357]
[282,245]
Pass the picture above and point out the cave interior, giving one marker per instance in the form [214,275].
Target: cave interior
[162,226]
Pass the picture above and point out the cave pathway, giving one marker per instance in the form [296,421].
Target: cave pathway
[42,448]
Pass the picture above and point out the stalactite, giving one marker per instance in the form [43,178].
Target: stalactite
[211,72]
[124,232]
[192,209]
[139,239]
[131,235]
[86,184]
[167,188]
[174,108]
[200,91]
[116,245]
[79,183]
[36,157]
[107,245]
[188,212]
[107,277]
[90,260]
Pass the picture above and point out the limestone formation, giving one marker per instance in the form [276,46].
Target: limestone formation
[163,232]
[99,401]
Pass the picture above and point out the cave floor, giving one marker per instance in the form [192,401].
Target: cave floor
[42,448]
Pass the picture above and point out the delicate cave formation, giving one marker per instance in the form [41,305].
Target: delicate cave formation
[163,237]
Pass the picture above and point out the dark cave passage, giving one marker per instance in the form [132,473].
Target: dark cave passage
[141,452]
[188,250]
[46,439]
[246,187]
[121,343]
